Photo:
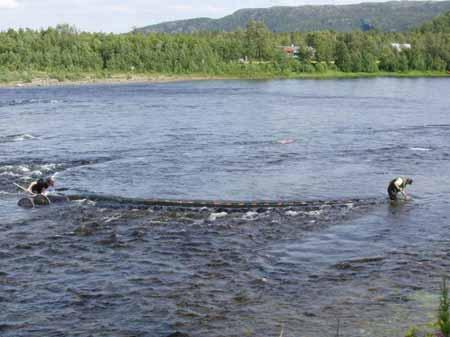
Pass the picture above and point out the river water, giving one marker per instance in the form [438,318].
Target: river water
[347,258]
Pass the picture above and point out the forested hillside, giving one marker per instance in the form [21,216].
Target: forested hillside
[63,52]
[394,16]
[440,24]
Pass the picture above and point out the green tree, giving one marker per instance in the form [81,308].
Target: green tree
[343,59]
[260,45]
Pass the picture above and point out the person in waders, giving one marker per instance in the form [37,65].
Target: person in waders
[398,185]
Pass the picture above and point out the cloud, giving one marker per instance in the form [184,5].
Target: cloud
[8,4]
[182,8]
[217,9]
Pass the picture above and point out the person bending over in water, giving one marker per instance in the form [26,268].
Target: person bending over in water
[398,185]
[41,186]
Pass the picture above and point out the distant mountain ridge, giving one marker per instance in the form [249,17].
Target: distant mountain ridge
[393,16]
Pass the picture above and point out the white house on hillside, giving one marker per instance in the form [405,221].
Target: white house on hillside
[400,46]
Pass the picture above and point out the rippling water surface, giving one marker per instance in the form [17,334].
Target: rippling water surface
[121,268]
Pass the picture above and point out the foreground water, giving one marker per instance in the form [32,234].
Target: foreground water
[114,268]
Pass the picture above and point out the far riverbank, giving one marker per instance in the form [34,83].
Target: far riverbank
[27,79]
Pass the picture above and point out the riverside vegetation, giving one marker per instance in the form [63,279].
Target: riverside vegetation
[63,53]
[441,327]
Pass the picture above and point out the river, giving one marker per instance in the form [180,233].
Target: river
[347,257]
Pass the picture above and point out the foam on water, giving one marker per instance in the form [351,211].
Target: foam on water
[250,215]
[24,173]
[315,213]
[7,193]
[17,138]
[85,202]
[286,141]
[419,149]
[33,101]
[24,170]
[215,216]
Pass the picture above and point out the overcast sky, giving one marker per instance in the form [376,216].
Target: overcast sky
[120,16]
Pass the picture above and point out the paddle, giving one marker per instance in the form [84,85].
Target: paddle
[24,189]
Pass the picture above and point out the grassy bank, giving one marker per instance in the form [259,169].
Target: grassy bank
[30,78]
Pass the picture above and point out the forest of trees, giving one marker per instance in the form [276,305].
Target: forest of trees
[440,24]
[64,50]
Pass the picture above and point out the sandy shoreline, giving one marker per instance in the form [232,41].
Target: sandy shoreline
[115,79]
[88,79]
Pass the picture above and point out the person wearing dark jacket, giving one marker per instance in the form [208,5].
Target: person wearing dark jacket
[398,185]
[41,186]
